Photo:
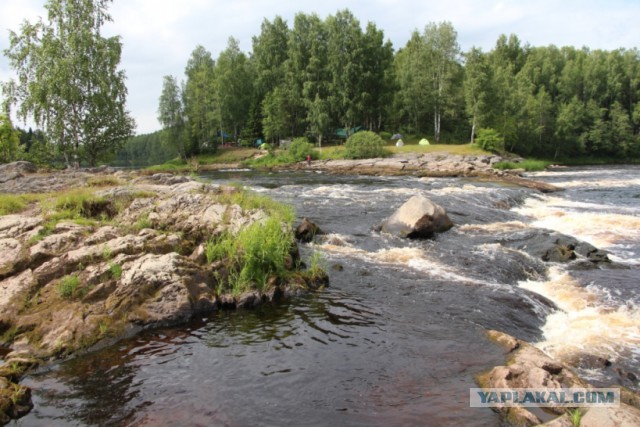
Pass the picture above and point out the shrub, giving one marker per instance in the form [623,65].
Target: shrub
[385,135]
[300,148]
[490,140]
[364,145]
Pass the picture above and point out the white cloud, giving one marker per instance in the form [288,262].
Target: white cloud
[159,35]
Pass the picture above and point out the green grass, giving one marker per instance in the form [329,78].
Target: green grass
[224,155]
[16,203]
[103,181]
[336,152]
[142,223]
[249,200]
[575,415]
[278,158]
[252,257]
[317,265]
[115,270]
[259,251]
[528,165]
[68,286]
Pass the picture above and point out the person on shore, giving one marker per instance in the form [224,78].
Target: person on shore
[308,159]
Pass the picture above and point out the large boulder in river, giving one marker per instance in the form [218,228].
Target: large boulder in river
[419,217]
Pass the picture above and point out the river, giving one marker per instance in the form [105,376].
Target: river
[399,335]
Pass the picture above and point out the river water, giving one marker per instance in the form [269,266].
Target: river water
[399,335]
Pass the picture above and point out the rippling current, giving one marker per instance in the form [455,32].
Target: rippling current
[399,335]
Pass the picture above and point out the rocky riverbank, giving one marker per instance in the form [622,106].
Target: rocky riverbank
[89,258]
[528,367]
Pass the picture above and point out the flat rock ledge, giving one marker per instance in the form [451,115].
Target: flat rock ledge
[528,367]
[138,261]
[427,165]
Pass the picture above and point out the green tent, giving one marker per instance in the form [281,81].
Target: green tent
[423,141]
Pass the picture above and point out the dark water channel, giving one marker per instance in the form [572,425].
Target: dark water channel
[398,336]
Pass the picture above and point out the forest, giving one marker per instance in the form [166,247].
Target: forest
[315,77]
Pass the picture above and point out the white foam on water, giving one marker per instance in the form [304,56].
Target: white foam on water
[465,189]
[411,257]
[495,227]
[603,230]
[597,184]
[587,322]
[330,191]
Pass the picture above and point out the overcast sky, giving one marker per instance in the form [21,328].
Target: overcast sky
[159,35]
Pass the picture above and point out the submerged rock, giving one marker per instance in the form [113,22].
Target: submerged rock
[551,246]
[419,217]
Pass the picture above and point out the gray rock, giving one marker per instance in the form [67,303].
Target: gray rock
[419,217]
[12,226]
[623,416]
[307,230]
[21,167]
[551,246]
[13,257]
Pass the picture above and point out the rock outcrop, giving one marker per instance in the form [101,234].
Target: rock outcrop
[136,257]
[427,165]
[529,367]
[419,217]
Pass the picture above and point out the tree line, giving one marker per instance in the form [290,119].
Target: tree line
[313,78]
[319,75]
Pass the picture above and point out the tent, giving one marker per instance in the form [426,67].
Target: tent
[396,136]
[400,143]
[423,141]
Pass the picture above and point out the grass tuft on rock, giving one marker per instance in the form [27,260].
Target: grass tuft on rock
[16,203]
[68,286]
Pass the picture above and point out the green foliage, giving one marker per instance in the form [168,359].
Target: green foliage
[103,181]
[107,253]
[142,223]
[200,101]
[16,203]
[249,201]
[115,270]
[575,415]
[68,286]
[264,247]
[172,117]
[256,254]
[528,165]
[222,247]
[149,149]
[300,148]
[10,149]
[78,101]
[490,140]
[386,136]
[317,265]
[364,145]
[259,251]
